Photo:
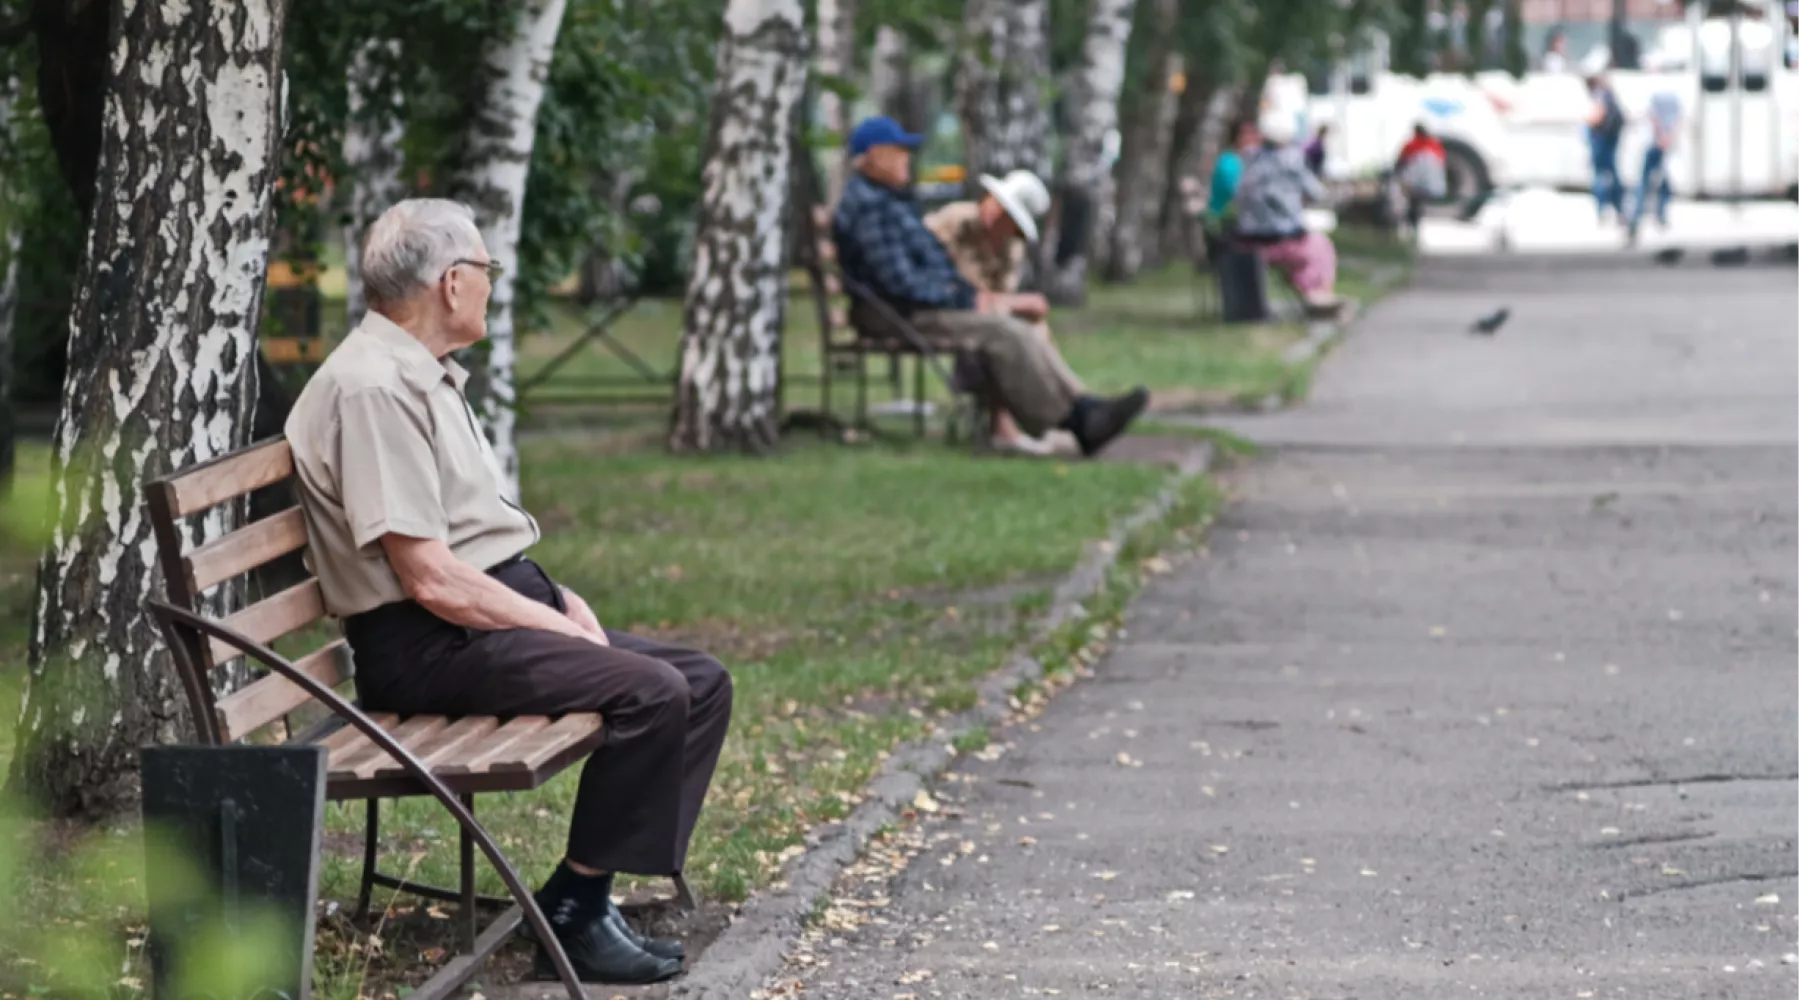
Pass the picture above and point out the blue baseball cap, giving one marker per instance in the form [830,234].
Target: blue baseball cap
[880,131]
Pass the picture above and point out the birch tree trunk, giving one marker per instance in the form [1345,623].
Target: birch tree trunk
[1143,150]
[496,159]
[162,348]
[889,74]
[835,59]
[1102,78]
[1000,85]
[372,152]
[727,393]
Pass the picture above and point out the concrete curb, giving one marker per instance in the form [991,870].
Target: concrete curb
[751,950]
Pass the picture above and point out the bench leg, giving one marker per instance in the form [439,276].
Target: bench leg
[684,896]
[467,924]
[919,397]
[371,839]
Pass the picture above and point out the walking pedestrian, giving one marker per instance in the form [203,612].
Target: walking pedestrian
[1665,124]
[1606,122]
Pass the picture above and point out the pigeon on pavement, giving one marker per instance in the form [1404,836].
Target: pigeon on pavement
[1487,326]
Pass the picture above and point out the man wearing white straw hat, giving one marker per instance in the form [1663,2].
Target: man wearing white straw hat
[987,239]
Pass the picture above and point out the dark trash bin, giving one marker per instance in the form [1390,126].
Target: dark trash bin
[1243,284]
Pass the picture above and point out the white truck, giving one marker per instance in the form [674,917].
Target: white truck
[1740,98]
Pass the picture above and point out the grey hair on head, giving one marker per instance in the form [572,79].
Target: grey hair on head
[412,244]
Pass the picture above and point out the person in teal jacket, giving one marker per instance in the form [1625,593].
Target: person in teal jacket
[1230,168]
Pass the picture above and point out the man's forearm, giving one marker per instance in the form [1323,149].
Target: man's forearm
[463,595]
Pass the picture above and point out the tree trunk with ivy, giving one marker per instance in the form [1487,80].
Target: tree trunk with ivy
[495,161]
[1102,78]
[372,153]
[161,374]
[727,394]
[1000,81]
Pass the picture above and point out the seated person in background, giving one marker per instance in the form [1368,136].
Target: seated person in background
[422,556]
[883,246]
[1420,169]
[1228,172]
[1275,188]
[987,241]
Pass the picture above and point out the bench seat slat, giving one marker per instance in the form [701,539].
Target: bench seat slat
[447,743]
[245,549]
[498,745]
[269,698]
[364,758]
[548,742]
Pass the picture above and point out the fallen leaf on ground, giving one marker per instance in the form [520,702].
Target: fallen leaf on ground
[1105,876]
[924,802]
[1767,899]
[1179,894]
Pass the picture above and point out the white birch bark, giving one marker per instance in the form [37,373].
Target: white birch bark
[372,152]
[727,394]
[1000,85]
[1138,173]
[1102,78]
[162,347]
[836,57]
[888,73]
[496,161]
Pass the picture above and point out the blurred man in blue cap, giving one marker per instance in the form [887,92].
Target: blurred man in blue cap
[884,246]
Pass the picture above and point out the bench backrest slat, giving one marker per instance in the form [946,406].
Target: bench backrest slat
[204,486]
[245,549]
[265,621]
[273,697]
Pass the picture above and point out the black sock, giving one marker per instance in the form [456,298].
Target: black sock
[1072,422]
[569,895]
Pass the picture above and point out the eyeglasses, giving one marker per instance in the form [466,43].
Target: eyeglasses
[494,270]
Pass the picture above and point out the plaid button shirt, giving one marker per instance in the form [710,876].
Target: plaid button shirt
[882,244]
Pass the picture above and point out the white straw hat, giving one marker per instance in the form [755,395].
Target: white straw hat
[1279,127]
[1023,196]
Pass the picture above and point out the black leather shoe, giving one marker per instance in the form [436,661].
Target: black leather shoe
[601,954]
[660,947]
[1102,422]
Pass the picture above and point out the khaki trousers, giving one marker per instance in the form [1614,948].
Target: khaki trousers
[1024,371]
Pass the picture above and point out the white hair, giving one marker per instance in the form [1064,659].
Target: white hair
[413,243]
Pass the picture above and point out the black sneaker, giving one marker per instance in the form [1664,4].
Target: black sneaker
[1102,421]
[601,954]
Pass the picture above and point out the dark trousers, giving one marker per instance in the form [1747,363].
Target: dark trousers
[666,710]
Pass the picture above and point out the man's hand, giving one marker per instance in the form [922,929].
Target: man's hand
[1029,306]
[583,616]
[463,595]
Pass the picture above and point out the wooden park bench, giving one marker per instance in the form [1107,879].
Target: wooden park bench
[845,349]
[298,701]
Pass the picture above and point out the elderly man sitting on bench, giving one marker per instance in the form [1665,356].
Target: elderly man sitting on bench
[422,555]
[883,245]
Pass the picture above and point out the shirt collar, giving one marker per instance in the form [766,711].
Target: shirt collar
[417,365]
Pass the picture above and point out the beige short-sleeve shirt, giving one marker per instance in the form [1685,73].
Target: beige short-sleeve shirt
[989,268]
[384,442]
